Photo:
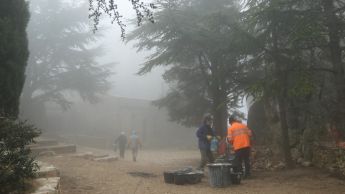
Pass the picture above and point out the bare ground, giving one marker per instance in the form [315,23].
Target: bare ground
[80,175]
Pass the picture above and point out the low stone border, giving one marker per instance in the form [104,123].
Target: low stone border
[106,159]
[50,185]
[47,170]
[48,179]
[98,158]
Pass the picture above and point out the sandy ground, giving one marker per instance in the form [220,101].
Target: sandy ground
[80,175]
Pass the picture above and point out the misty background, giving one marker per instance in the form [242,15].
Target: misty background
[96,120]
[126,82]
[84,87]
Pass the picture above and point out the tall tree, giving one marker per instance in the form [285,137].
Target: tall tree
[14,16]
[272,23]
[297,45]
[16,162]
[62,58]
[334,22]
[196,40]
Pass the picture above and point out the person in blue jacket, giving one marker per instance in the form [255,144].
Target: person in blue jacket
[205,134]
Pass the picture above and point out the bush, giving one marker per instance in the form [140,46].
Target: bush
[16,164]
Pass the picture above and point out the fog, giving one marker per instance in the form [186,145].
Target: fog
[129,61]
[72,114]
[187,84]
[84,87]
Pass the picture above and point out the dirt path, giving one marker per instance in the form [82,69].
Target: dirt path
[80,175]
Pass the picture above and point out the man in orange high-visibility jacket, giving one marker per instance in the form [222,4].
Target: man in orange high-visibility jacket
[239,136]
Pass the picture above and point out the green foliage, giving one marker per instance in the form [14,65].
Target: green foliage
[296,53]
[302,85]
[301,68]
[195,40]
[16,164]
[14,17]
[287,53]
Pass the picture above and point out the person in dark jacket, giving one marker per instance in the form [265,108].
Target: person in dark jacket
[121,142]
[205,134]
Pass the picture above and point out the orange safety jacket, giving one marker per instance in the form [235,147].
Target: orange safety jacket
[239,135]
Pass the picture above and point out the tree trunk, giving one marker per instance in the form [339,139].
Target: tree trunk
[285,131]
[258,122]
[307,144]
[281,72]
[271,114]
[336,60]
[219,98]
[220,113]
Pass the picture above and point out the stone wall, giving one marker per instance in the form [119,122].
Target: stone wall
[330,158]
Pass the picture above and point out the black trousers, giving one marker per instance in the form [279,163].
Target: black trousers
[122,152]
[206,156]
[243,156]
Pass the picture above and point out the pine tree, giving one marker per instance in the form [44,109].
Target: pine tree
[14,17]
[16,163]
[62,59]
[196,41]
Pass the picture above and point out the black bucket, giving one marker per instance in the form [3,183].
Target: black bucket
[195,177]
[180,178]
[184,176]
[187,178]
[169,177]
[219,174]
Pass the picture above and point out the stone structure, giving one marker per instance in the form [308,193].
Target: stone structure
[97,125]
[330,158]
[48,179]
[50,147]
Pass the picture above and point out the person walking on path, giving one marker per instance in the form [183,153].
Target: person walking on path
[121,143]
[239,135]
[204,135]
[134,144]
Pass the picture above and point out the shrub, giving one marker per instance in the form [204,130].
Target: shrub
[16,163]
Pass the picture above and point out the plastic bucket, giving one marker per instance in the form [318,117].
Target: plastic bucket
[194,177]
[169,177]
[219,174]
[183,176]
[187,178]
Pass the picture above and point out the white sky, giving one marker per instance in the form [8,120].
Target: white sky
[126,83]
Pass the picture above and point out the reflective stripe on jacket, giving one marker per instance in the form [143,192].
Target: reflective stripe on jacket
[239,135]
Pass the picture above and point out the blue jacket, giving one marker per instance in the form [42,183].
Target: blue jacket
[202,133]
